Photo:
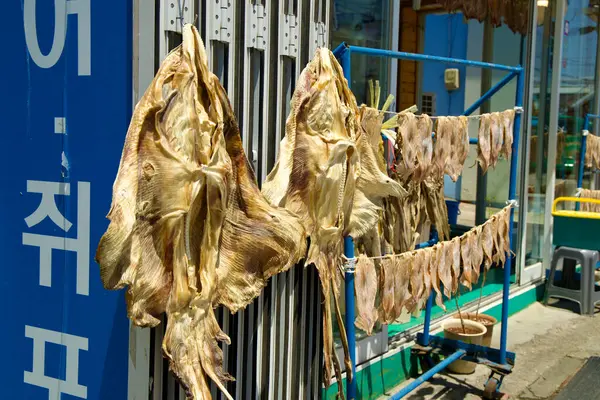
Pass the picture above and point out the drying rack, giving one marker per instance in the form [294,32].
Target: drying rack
[584,135]
[500,360]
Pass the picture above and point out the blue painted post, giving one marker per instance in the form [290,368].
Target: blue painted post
[349,322]
[427,322]
[349,275]
[512,194]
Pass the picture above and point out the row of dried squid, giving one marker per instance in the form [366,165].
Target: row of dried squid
[592,151]
[421,162]
[405,281]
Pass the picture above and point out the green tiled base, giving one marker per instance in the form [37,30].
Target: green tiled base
[380,377]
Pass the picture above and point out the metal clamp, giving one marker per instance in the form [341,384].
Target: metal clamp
[512,203]
[518,109]
[288,29]
[349,265]
[585,132]
[177,13]
[258,27]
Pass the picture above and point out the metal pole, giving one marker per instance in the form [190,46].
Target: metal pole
[423,378]
[486,84]
[524,165]
[512,195]
[559,25]
[349,276]
[423,57]
[350,331]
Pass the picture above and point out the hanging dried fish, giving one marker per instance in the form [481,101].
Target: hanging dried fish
[437,256]
[496,137]
[403,270]
[508,121]
[459,146]
[467,259]
[484,145]
[365,280]
[455,255]
[487,241]
[387,282]
[476,253]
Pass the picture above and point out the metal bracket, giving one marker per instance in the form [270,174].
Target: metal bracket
[177,13]
[220,20]
[258,26]
[288,29]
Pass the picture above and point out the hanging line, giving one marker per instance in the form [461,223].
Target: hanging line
[518,110]
[350,263]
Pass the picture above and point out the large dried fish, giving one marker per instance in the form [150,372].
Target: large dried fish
[435,201]
[408,141]
[186,216]
[442,145]
[365,279]
[425,153]
[417,277]
[327,174]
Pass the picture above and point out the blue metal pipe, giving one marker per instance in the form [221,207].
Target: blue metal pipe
[493,90]
[423,378]
[512,194]
[427,322]
[345,62]
[341,49]
[349,322]
[423,57]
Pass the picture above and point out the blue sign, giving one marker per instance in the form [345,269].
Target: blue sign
[66,103]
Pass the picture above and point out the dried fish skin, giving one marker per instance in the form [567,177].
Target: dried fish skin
[487,241]
[477,253]
[467,260]
[365,278]
[455,257]
[445,258]
[386,311]
[425,151]
[484,146]
[508,122]
[436,260]
[459,146]
[497,137]
[403,270]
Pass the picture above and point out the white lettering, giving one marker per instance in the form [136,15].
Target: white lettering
[80,245]
[37,377]
[47,207]
[62,8]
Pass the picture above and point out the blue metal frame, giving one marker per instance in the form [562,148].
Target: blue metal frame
[493,357]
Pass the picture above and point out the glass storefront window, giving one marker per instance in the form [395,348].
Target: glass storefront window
[576,99]
[364,23]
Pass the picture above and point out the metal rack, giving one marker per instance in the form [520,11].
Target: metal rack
[499,360]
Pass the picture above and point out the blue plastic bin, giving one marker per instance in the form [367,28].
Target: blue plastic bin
[453,211]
